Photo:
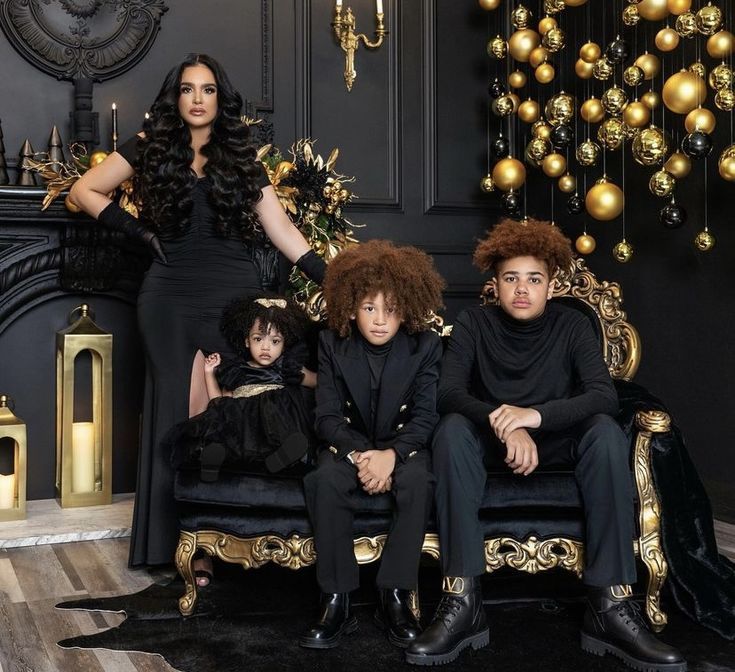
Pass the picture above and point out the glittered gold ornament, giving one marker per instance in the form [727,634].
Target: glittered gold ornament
[623,251]
[503,106]
[653,10]
[725,100]
[726,163]
[509,173]
[661,183]
[567,183]
[704,241]
[544,73]
[649,63]
[585,244]
[605,200]
[679,6]
[720,77]
[720,45]
[602,69]
[678,164]
[95,158]
[537,150]
[489,5]
[636,114]
[700,119]
[614,99]
[590,52]
[541,130]
[538,56]
[575,3]
[521,17]
[686,25]
[592,111]
[698,69]
[632,75]
[683,91]
[651,99]
[709,19]
[667,39]
[487,184]
[587,153]
[546,24]
[522,43]
[631,16]
[650,146]
[517,79]
[554,39]
[497,47]
[553,6]
[559,108]
[583,69]
[554,165]
[529,111]
[611,133]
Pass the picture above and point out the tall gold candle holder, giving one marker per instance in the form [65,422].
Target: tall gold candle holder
[13,486]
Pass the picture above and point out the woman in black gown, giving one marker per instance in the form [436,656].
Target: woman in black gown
[202,196]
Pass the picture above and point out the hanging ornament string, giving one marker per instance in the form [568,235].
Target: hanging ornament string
[488,108]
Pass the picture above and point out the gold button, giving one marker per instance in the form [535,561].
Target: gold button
[412,453]
[403,408]
[348,404]
[332,449]
[347,420]
[399,426]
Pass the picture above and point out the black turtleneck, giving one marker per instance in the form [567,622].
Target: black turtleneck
[552,363]
[376,356]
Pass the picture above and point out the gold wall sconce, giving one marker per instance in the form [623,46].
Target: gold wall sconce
[349,41]
[13,486]
[83,449]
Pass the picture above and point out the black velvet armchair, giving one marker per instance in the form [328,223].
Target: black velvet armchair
[532,524]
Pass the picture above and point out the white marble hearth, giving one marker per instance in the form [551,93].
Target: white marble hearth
[48,523]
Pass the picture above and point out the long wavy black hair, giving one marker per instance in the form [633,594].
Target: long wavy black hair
[164,179]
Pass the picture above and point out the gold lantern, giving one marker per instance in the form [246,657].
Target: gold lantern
[84,449]
[13,486]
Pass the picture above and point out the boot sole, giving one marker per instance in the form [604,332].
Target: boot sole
[478,641]
[347,629]
[599,647]
[396,641]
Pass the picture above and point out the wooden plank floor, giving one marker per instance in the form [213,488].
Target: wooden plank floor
[33,579]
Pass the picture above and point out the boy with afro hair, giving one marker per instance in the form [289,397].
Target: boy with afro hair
[375,414]
[524,383]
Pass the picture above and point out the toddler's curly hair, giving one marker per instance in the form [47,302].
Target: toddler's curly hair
[404,275]
[531,238]
[241,314]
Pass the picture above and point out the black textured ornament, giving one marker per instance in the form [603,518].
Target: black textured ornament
[511,203]
[697,145]
[500,147]
[617,50]
[575,205]
[495,89]
[672,216]
[562,135]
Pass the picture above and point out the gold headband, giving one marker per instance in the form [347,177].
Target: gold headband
[269,303]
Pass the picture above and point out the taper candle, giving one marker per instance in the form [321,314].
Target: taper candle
[114,126]
[379,6]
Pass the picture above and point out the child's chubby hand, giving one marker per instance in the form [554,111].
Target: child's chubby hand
[375,468]
[211,362]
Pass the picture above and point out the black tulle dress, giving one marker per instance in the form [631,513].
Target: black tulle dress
[179,309]
[261,413]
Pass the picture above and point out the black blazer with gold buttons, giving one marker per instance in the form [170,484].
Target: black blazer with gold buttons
[406,408]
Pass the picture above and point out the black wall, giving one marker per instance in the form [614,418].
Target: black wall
[413,132]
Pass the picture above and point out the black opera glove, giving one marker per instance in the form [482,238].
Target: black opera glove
[313,266]
[114,217]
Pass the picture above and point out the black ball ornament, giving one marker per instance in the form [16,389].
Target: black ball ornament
[495,89]
[562,135]
[575,205]
[697,145]
[511,203]
[500,147]
[673,216]
[617,50]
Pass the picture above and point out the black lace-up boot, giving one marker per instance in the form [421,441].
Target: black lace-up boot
[395,616]
[613,624]
[333,622]
[459,622]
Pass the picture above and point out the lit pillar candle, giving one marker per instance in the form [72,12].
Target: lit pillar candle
[7,491]
[82,457]
[114,126]
[338,6]
[379,6]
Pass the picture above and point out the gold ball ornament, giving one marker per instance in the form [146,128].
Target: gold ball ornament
[554,39]
[651,99]
[700,119]
[611,133]
[588,152]
[633,75]
[545,73]
[698,69]
[70,205]
[677,7]
[503,106]
[567,183]
[497,47]
[95,158]
[667,39]
[709,19]
[725,100]
[538,56]
[662,183]
[509,173]
[590,52]
[541,130]
[704,241]
[537,150]
[650,146]
[554,165]
[631,16]
[726,163]
[529,111]
[649,63]
[605,200]
[490,5]
[684,91]
[623,252]
[614,100]
[636,114]
[520,17]
[546,24]
[583,69]
[559,108]
[522,43]
[575,3]
[517,79]
[585,244]
[653,10]
[592,111]
[720,77]
[678,164]
[516,101]
[720,45]
[686,25]
[553,6]
[486,184]
[602,69]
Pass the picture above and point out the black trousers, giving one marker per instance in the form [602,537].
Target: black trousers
[597,449]
[331,501]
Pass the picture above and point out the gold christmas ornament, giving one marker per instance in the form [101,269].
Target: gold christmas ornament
[661,183]
[698,69]
[700,119]
[631,16]
[678,164]
[636,114]
[686,25]
[487,184]
[650,146]
[517,79]
[522,43]
[567,183]
[726,163]
[602,69]
[683,91]
[679,6]
[546,24]
[516,101]
[592,111]
[623,251]
[630,131]
[605,200]
[649,63]
[541,130]
[575,3]
[651,99]
[725,100]
[538,56]
[704,241]
[720,45]
[554,39]
[509,173]
[544,73]
[611,133]
[497,47]
[583,69]
[95,158]
[720,77]
[709,19]
[667,39]
[653,10]
[520,17]
[590,52]
[554,165]
[614,99]
[587,153]
[632,75]
[585,244]
[489,5]
[529,111]
[559,108]
[503,106]
[553,6]
[537,150]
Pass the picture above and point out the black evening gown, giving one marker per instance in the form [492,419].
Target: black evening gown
[179,309]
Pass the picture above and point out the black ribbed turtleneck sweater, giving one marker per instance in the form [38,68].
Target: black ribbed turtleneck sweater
[552,363]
